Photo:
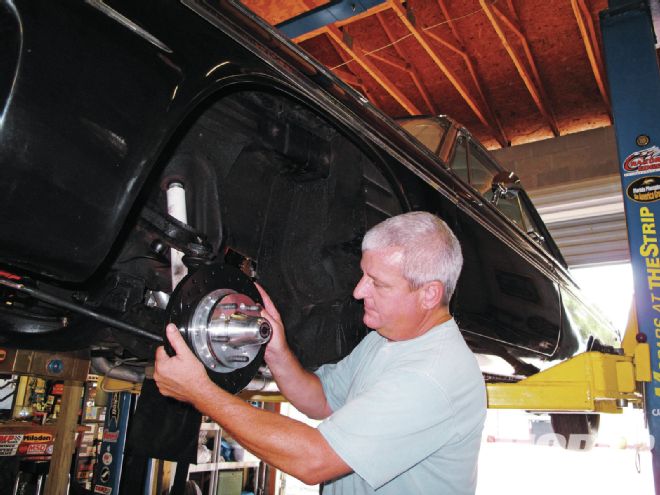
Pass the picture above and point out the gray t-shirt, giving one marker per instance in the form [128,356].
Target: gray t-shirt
[408,415]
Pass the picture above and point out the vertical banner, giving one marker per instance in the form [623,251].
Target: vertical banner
[107,474]
[634,81]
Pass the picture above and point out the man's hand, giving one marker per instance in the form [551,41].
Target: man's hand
[277,345]
[302,388]
[182,375]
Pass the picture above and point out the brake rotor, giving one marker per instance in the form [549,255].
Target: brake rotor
[217,310]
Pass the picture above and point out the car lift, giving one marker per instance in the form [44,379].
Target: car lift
[595,381]
[634,80]
[589,382]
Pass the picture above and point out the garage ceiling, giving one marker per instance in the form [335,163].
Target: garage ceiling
[511,71]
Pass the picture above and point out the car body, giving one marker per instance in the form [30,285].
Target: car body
[105,104]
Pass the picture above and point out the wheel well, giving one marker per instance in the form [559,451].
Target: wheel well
[279,189]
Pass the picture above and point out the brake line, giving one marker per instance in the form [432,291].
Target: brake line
[76,308]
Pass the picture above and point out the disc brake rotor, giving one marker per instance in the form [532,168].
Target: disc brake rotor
[217,310]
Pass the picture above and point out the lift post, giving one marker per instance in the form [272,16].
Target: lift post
[634,82]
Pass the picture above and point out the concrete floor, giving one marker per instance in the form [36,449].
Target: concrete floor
[509,463]
[524,469]
[619,463]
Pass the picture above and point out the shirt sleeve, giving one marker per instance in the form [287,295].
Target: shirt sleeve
[336,378]
[391,427]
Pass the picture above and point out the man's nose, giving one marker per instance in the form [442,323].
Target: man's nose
[360,288]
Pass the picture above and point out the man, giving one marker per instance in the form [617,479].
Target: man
[403,413]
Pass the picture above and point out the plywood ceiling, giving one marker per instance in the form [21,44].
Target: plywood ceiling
[511,71]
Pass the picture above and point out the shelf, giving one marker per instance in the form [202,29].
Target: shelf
[222,466]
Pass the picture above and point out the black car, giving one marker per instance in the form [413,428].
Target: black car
[108,107]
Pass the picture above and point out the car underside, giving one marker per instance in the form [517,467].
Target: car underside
[280,169]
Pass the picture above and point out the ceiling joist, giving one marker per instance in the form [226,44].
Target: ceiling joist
[359,56]
[352,79]
[444,68]
[500,136]
[412,72]
[531,80]
[421,76]
[588,33]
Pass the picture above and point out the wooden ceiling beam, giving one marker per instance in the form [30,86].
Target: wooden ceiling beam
[392,62]
[588,33]
[361,58]
[517,30]
[453,79]
[405,67]
[412,71]
[500,135]
[534,89]
[512,9]
[352,79]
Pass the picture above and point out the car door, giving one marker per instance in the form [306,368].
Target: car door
[507,293]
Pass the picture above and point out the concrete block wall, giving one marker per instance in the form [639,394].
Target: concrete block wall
[566,159]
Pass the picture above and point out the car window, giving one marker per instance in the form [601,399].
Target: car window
[459,163]
[473,167]
[481,172]
[512,208]
[517,210]
[429,132]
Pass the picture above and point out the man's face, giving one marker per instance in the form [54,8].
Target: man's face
[391,307]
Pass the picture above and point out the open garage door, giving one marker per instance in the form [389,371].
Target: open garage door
[586,220]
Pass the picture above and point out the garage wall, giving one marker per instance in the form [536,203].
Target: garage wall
[562,160]
[574,182]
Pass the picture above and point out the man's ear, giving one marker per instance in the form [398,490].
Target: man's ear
[432,293]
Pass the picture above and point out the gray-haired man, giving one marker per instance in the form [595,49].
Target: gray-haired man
[403,413]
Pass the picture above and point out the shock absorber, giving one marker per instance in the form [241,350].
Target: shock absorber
[176,207]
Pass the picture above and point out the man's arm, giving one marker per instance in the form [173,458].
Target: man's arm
[302,388]
[289,445]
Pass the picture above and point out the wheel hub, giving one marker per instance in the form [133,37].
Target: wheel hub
[216,309]
[227,330]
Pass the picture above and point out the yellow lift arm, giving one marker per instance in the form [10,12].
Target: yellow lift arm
[588,382]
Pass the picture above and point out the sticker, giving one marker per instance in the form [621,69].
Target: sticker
[644,189]
[9,444]
[107,458]
[37,449]
[642,161]
[38,437]
[105,474]
[110,436]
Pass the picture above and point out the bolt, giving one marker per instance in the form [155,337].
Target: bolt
[55,366]
[158,247]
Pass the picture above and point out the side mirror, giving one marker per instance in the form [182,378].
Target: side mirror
[504,185]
